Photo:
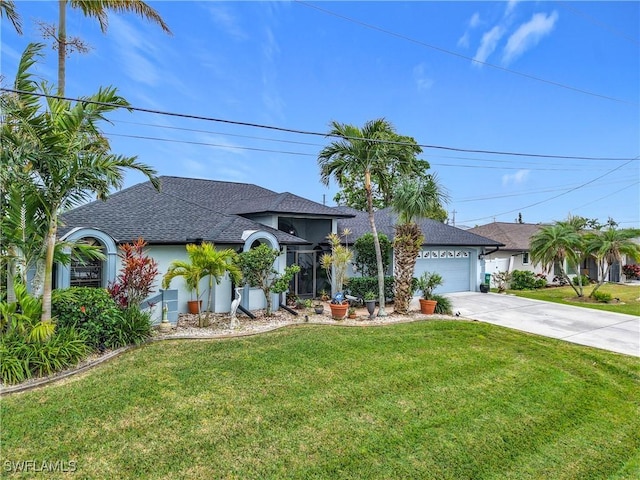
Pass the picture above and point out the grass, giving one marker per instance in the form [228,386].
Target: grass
[629,296]
[438,399]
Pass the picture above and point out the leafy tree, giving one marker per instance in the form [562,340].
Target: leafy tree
[68,159]
[608,246]
[414,198]
[365,254]
[353,194]
[367,153]
[257,270]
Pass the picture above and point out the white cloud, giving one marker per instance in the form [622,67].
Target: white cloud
[515,178]
[422,79]
[511,5]
[224,19]
[528,35]
[488,44]
[474,21]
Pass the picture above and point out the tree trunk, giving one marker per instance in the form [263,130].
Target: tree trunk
[62,45]
[376,244]
[406,247]
[50,244]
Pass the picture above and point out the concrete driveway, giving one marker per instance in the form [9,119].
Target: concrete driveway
[615,332]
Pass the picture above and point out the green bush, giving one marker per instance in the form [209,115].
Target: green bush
[527,280]
[443,307]
[365,254]
[602,297]
[136,326]
[92,311]
[21,359]
[585,280]
[358,286]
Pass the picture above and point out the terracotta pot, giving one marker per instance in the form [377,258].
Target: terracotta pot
[339,310]
[427,306]
[194,306]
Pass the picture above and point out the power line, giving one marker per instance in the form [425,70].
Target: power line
[305,132]
[459,55]
[600,24]
[555,196]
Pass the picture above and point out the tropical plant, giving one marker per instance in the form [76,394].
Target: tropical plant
[553,245]
[427,282]
[364,254]
[137,275]
[336,262]
[415,197]
[502,279]
[23,317]
[93,312]
[8,9]
[631,271]
[68,157]
[97,9]
[608,247]
[443,305]
[257,270]
[368,153]
[215,263]
[526,280]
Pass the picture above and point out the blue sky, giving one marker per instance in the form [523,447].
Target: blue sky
[288,64]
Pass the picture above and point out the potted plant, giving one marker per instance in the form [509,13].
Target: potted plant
[427,283]
[370,302]
[351,312]
[192,274]
[318,308]
[336,264]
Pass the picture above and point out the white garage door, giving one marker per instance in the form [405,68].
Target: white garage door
[453,264]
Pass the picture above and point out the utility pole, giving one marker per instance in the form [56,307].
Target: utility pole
[453,217]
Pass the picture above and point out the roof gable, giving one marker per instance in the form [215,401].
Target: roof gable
[515,236]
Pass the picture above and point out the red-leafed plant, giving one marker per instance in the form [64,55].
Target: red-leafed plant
[136,277]
[631,271]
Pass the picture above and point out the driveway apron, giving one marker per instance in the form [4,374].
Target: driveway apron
[615,332]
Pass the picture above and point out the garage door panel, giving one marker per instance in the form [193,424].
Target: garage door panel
[454,266]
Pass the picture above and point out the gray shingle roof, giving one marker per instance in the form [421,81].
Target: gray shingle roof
[515,236]
[435,233]
[183,209]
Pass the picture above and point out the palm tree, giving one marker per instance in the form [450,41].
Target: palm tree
[553,245]
[68,159]
[214,264]
[8,9]
[367,152]
[413,198]
[97,9]
[608,247]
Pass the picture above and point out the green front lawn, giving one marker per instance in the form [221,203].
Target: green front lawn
[437,399]
[629,296]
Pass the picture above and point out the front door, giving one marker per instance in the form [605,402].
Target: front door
[305,281]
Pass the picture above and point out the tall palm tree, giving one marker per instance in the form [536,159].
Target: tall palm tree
[553,245]
[413,198]
[609,246]
[69,160]
[97,9]
[366,152]
[8,9]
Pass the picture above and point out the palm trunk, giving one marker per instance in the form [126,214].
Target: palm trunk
[50,244]
[376,244]
[406,247]
[62,45]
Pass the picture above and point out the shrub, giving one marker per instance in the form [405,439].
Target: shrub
[527,280]
[501,279]
[443,307]
[136,277]
[135,327]
[21,359]
[90,310]
[602,297]
[631,271]
[359,286]
[365,255]
[585,280]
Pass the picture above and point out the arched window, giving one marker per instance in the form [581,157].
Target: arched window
[88,273]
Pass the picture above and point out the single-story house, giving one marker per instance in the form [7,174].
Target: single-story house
[514,255]
[239,215]
[458,255]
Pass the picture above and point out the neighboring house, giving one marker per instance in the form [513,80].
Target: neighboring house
[516,238]
[514,255]
[237,215]
[455,254]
